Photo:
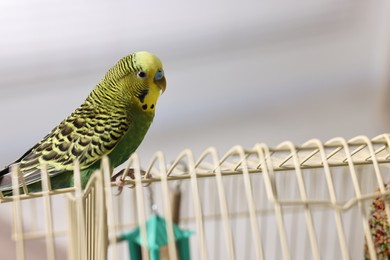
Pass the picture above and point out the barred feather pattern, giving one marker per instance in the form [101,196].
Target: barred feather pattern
[95,128]
[87,134]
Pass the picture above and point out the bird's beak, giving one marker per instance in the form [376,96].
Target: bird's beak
[162,84]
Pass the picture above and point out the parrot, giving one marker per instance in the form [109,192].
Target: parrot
[112,122]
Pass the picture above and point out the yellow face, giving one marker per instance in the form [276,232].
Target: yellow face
[151,80]
[150,99]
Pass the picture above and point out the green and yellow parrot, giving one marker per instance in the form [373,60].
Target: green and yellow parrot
[112,122]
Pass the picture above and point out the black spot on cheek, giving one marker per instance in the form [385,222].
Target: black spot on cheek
[144,107]
[152,106]
[142,95]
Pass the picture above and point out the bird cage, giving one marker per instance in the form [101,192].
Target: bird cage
[314,201]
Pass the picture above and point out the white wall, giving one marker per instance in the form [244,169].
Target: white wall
[227,65]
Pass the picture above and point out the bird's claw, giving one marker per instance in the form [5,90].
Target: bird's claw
[120,181]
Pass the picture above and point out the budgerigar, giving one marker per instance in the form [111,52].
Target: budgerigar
[112,121]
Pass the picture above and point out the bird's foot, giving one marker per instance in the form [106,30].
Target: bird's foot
[120,180]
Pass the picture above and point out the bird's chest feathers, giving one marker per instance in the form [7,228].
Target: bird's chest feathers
[132,138]
[141,114]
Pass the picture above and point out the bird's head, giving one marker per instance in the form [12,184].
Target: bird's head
[137,79]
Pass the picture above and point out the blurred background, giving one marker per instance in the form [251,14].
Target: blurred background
[238,72]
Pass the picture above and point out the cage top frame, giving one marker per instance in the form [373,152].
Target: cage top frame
[286,156]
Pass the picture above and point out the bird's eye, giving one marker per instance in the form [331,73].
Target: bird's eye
[141,74]
[159,74]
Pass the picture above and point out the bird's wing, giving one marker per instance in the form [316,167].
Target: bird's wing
[87,134]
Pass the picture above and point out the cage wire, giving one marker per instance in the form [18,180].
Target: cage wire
[315,201]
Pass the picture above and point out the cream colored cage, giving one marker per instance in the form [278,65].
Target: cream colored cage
[289,202]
